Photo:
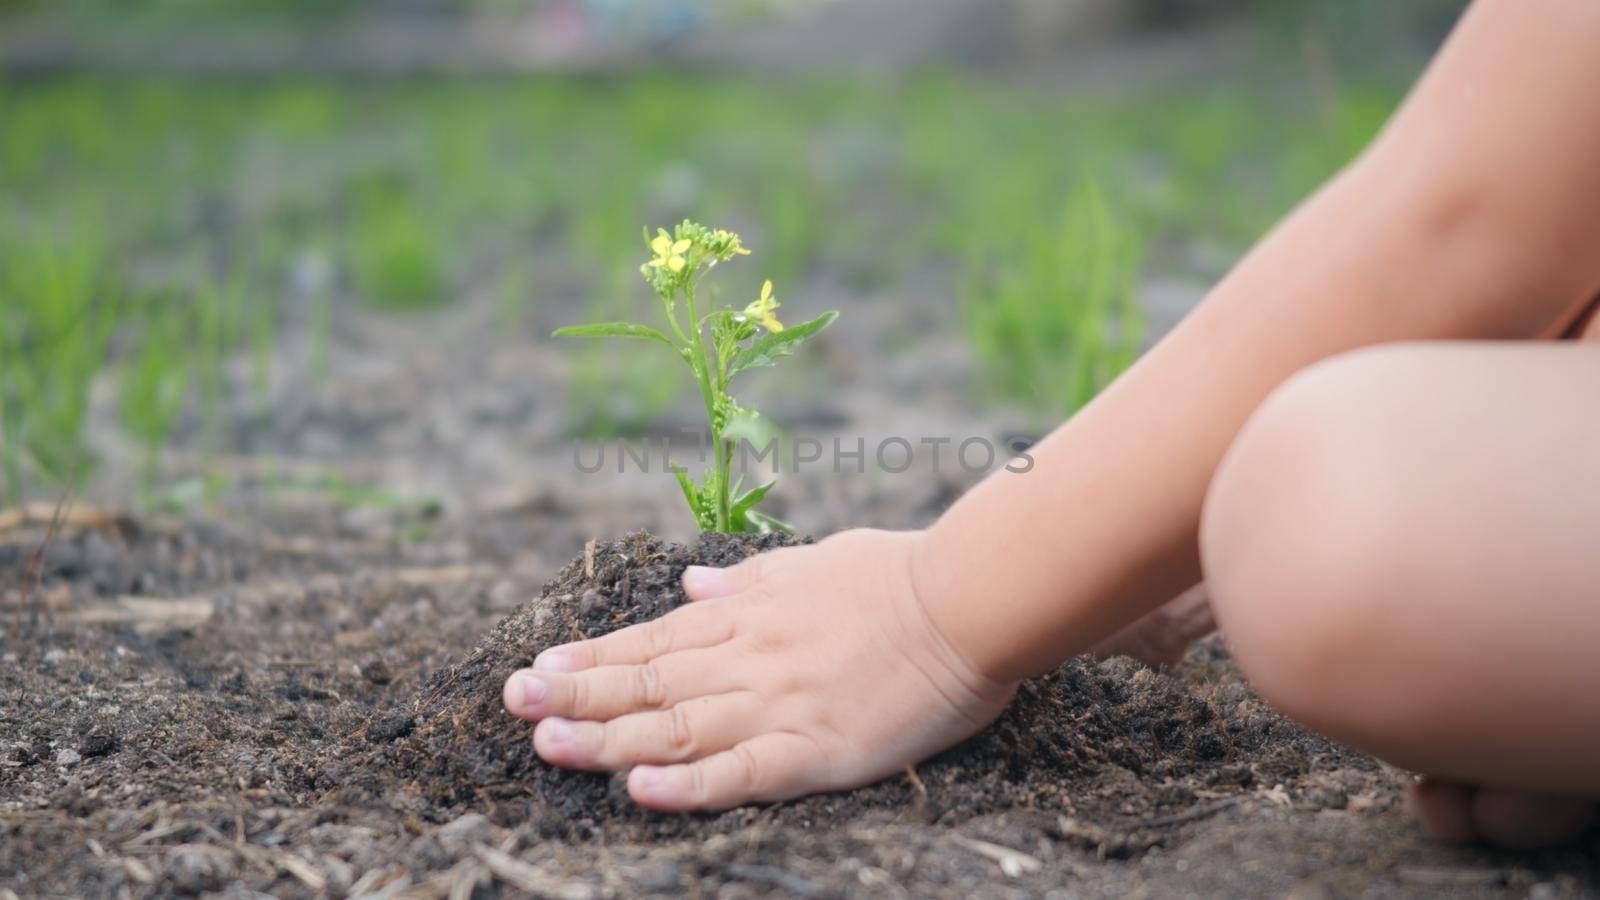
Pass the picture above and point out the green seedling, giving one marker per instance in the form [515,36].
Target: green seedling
[716,345]
[516,295]
[57,309]
[1061,318]
[154,380]
[218,309]
[395,254]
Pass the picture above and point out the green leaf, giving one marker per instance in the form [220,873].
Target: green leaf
[774,345]
[761,523]
[717,316]
[691,492]
[614,329]
[748,500]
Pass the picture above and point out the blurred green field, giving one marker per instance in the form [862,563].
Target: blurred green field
[154,231]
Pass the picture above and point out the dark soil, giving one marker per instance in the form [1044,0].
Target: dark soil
[295,712]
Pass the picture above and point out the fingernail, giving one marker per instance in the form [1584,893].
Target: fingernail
[704,580]
[552,661]
[646,779]
[530,689]
[558,731]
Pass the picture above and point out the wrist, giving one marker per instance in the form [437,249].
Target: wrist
[938,600]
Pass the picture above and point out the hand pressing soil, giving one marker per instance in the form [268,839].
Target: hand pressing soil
[1115,740]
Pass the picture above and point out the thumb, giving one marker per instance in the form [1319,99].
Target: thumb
[707,583]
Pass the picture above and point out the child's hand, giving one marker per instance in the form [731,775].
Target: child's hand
[801,670]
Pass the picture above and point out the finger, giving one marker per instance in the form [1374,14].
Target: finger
[690,730]
[1444,808]
[606,692]
[1191,614]
[707,583]
[1163,636]
[685,628]
[1521,820]
[766,768]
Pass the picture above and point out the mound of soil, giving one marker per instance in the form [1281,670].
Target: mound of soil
[1112,741]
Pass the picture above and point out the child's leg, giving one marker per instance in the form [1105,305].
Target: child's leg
[1403,549]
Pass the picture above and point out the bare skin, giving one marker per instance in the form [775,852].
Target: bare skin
[1460,645]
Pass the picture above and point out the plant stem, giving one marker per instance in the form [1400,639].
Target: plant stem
[710,391]
[672,318]
[8,461]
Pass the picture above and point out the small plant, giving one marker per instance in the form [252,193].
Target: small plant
[58,305]
[1061,319]
[716,344]
[395,255]
[155,379]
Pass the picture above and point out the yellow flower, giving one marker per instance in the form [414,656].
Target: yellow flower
[761,310]
[731,241]
[669,254]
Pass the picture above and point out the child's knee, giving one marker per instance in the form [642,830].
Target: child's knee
[1298,542]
